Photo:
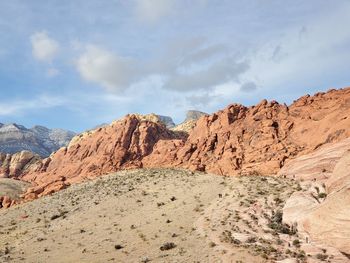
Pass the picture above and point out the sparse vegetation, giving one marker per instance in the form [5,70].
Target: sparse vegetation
[322,195]
[167,246]
[322,257]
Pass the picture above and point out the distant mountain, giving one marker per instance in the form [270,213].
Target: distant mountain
[168,121]
[194,115]
[41,140]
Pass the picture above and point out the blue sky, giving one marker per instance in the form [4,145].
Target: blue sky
[76,64]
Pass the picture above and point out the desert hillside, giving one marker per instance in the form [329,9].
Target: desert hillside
[157,215]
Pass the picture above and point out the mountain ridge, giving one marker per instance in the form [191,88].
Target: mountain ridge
[38,139]
[236,140]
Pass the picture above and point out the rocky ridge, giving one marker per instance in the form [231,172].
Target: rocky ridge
[40,140]
[236,140]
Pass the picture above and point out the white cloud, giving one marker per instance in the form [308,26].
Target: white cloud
[107,69]
[153,10]
[305,53]
[189,65]
[207,77]
[44,48]
[203,100]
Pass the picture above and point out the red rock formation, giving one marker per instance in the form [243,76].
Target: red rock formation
[121,145]
[260,138]
[238,139]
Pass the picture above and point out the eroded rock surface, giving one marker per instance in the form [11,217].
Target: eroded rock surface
[321,210]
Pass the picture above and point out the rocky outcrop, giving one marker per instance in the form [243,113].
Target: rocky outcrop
[322,209]
[259,139]
[237,140]
[40,140]
[330,221]
[318,165]
[14,166]
[121,145]
[18,164]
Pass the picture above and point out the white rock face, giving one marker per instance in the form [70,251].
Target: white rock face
[322,210]
[41,140]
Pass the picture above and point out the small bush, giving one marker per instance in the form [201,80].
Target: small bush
[322,195]
[296,243]
[167,246]
[118,247]
[322,257]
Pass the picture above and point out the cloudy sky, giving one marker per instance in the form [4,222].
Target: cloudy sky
[76,64]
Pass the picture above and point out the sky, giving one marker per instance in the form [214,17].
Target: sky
[77,64]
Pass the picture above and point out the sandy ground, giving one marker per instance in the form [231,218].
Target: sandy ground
[154,215]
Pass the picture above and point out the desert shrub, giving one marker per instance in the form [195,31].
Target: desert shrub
[322,195]
[167,246]
[117,247]
[251,240]
[277,224]
[212,244]
[321,257]
[296,242]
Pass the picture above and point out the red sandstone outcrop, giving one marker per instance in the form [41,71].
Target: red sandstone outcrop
[121,145]
[236,140]
[259,138]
